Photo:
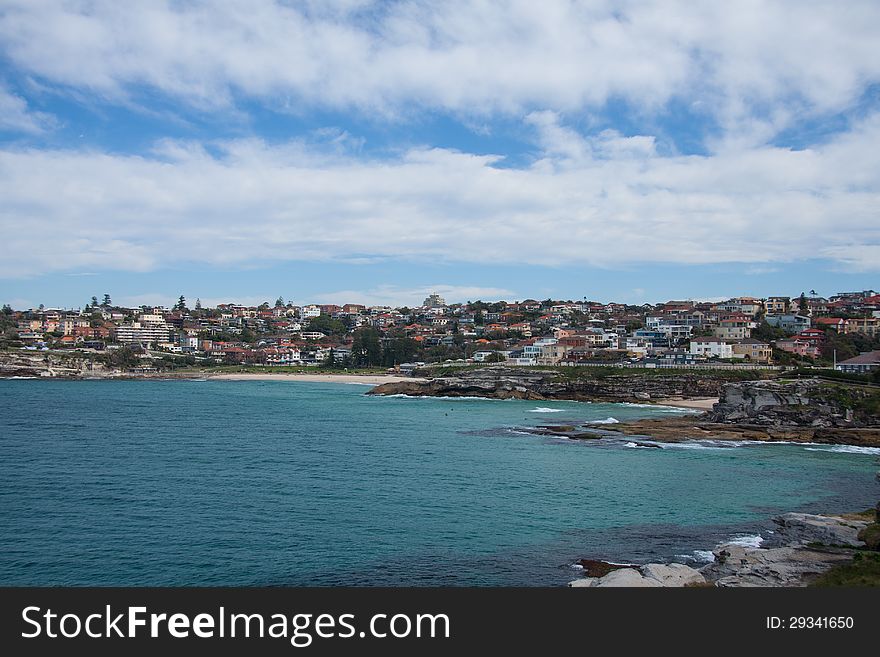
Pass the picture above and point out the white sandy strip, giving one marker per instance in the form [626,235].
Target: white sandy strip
[703,404]
[369,379]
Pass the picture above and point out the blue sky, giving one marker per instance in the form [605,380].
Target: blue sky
[377,151]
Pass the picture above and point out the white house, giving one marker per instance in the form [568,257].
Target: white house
[711,348]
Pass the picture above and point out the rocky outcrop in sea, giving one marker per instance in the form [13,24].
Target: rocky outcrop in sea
[808,403]
[500,382]
[803,547]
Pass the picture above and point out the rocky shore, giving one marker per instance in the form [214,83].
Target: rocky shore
[500,382]
[803,547]
[44,365]
[808,411]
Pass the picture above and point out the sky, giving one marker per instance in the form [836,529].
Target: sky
[333,151]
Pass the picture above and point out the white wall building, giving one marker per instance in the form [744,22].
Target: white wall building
[711,348]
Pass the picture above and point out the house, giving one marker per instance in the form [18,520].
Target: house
[836,323]
[862,364]
[789,323]
[869,326]
[752,350]
[734,327]
[798,347]
[711,348]
[777,305]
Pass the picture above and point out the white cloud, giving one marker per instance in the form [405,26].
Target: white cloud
[754,66]
[17,117]
[245,202]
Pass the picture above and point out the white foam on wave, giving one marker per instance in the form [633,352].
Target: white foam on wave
[636,446]
[845,449]
[703,446]
[359,383]
[700,556]
[544,409]
[705,556]
[607,420]
[752,541]
[660,407]
[21,378]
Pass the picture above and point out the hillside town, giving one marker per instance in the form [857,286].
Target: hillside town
[842,331]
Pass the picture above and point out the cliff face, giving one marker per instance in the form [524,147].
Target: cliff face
[519,383]
[810,403]
[38,364]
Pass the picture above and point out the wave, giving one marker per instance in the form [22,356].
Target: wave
[700,556]
[438,397]
[661,407]
[752,541]
[607,420]
[544,409]
[636,446]
[845,449]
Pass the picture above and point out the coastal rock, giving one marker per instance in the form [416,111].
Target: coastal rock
[651,575]
[673,574]
[740,566]
[584,582]
[805,528]
[626,577]
[50,365]
[813,403]
[596,568]
[504,382]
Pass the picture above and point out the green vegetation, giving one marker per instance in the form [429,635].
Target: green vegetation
[124,358]
[831,374]
[366,349]
[863,570]
[576,373]
[861,400]
[586,373]
[871,536]
[327,325]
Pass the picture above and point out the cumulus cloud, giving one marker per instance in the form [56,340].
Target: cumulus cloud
[754,67]
[248,202]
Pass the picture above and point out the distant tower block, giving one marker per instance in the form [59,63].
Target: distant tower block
[434,301]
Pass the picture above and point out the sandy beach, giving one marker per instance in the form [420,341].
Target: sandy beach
[702,404]
[367,379]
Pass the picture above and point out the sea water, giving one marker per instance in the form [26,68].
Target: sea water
[152,482]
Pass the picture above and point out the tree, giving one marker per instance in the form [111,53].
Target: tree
[7,309]
[327,325]
[366,351]
[279,302]
[399,350]
[198,305]
[106,302]
[496,357]
[125,358]
[94,302]
[802,304]
[181,304]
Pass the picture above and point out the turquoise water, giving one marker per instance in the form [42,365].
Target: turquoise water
[286,483]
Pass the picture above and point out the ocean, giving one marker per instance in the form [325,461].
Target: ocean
[151,482]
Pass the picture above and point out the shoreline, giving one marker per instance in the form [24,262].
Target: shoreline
[366,379]
[800,551]
[696,403]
